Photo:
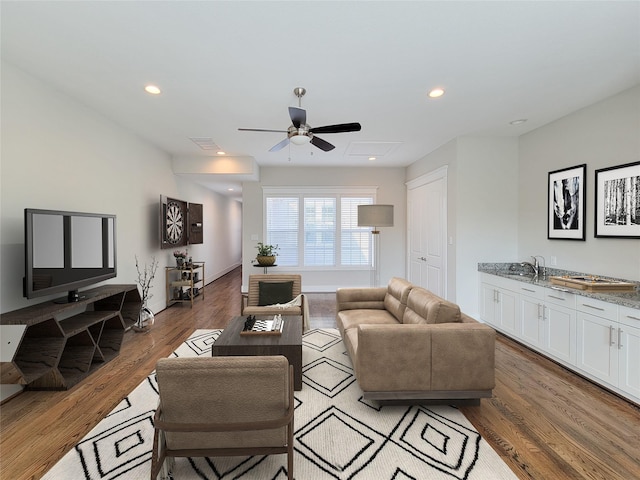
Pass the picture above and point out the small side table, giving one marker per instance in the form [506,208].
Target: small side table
[188,277]
[266,267]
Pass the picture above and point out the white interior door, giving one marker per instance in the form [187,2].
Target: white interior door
[427,224]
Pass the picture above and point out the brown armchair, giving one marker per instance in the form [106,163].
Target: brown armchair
[223,406]
[263,295]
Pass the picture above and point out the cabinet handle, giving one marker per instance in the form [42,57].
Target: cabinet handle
[611,341]
[619,338]
[632,317]
[539,315]
[528,290]
[557,298]
[496,296]
[591,306]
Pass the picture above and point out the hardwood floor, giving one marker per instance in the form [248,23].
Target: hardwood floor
[545,422]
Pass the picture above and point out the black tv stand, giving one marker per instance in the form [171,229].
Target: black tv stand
[72,297]
[63,343]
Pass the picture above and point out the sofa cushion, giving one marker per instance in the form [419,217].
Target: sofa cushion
[347,319]
[426,307]
[270,293]
[395,300]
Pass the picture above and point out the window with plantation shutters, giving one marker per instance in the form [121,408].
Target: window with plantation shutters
[355,241]
[318,228]
[282,228]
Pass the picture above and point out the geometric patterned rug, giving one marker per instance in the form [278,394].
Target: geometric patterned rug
[338,434]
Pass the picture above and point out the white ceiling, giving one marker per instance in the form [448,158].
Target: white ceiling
[224,65]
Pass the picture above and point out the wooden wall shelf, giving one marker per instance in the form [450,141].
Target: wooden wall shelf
[60,344]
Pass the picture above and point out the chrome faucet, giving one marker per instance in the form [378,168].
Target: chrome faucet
[544,266]
[534,266]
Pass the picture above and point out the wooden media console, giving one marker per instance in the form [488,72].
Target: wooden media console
[51,346]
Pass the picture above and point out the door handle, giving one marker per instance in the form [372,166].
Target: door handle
[619,338]
[611,340]
[422,258]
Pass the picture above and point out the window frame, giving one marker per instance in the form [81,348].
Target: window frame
[319,192]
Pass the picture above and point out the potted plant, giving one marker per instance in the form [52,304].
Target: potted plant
[266,254]
[180,257]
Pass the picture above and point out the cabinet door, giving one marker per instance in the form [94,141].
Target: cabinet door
[531,313]
[488,302]
[597,352]
[560,332]
[629,359]
[508,311]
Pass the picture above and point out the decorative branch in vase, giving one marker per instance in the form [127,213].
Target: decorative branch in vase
[145,278]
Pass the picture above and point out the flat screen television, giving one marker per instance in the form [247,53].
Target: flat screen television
[65,251]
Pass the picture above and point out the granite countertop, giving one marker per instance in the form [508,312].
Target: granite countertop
[513,271]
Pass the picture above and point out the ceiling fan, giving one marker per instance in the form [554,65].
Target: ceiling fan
[300,133]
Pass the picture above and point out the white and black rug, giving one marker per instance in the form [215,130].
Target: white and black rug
[338,434]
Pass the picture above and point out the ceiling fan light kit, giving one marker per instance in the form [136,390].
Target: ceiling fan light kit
[301,133]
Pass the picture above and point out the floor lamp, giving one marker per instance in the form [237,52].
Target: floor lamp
[375,216]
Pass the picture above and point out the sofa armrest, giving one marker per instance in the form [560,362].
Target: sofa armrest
[463,356]
[360,298]
[393,357]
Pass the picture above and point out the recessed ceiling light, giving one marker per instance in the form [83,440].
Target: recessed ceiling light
[230,189]
[372,158]
[220,152]
[520,121]
[436,92]
[152,89]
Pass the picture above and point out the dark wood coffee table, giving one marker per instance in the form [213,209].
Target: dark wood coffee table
[289,343]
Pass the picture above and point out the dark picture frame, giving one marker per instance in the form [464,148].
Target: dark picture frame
[567,203]
[617,201]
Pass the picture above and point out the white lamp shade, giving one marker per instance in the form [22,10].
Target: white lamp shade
[300,139]
[375,215]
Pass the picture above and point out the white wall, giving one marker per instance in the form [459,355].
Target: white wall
[58,154]
[391,191]
[482,208]
[487,210]
[602,135]
[497,194]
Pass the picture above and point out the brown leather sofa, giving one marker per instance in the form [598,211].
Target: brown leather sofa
[407,343]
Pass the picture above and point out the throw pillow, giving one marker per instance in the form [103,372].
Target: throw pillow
[270,293]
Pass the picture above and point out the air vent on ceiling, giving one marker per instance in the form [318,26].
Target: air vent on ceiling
[372,149]
[205,143]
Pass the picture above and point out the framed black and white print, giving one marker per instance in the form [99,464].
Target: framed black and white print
[617,212]
[567,208]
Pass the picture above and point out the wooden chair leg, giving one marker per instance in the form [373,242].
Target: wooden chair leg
[158,455]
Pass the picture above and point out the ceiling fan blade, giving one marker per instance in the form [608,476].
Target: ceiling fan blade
[260,130]
[298,116]
[322,144]
[339,128]
[280,145]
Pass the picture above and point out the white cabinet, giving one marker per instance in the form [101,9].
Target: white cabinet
[548,324]
[597,354]
[499,307]
[609,344]
[532,315]
[629,350]
[601,340]
[560,324]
